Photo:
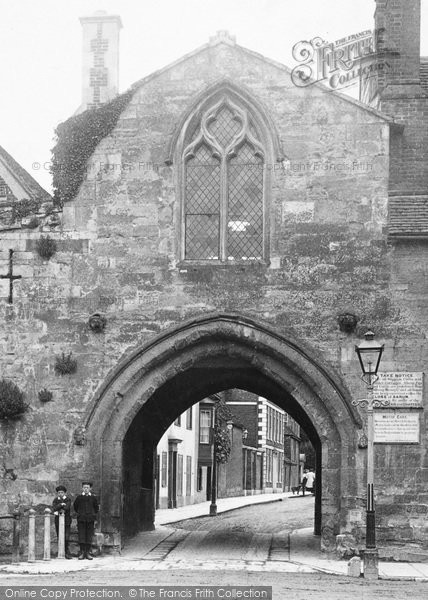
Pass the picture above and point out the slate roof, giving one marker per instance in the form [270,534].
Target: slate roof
[408,216]
[24,178]
[424,72]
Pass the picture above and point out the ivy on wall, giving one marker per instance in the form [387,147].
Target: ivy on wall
[76,140]
[223,446]
[25,207]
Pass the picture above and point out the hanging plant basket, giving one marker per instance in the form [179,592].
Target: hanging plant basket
[65,364]
[12,400]
[46,247]
[45,395]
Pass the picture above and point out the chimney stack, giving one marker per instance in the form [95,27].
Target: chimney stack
[398,24]
[100,81]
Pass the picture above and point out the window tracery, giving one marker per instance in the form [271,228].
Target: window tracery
[223,187]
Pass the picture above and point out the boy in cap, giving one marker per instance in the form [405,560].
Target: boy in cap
[86,507]
[62,503]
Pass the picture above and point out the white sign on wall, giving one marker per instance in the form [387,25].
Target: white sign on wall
[402,389]
[392,427]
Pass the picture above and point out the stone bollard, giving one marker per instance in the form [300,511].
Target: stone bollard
[16,548]
[47,535]
[61,535]
[31,535]
[354,567]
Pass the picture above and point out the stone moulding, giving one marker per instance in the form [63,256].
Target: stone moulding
[226,87]
[225,350]
[193,332]
[347,322]
[97,322]
[79,436]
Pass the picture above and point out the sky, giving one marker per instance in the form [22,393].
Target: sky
[40,51]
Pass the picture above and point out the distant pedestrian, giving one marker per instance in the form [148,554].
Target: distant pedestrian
[304,481]
[62,504]
[87,508]
[310,480]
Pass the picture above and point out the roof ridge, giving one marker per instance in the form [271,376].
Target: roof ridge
[27,181]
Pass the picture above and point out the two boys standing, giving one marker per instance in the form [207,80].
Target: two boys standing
[86,507]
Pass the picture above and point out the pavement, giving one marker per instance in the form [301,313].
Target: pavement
[154,550]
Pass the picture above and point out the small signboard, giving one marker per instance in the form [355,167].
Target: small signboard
[403,389]
[393,427]
[355,516]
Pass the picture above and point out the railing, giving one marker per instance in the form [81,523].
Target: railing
[17,517]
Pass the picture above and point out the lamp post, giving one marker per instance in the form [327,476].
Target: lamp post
[213,505]
[369,353]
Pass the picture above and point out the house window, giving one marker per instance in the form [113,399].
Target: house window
[204,426]
[188,475]
[177,421]
[164,468]
[189,418]
[269,423]
[223,187]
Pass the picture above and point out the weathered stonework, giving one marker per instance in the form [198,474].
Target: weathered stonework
[177,331]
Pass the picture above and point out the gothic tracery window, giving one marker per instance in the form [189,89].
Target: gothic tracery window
[223,187]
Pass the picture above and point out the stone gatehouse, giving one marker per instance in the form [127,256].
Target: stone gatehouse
[218,235]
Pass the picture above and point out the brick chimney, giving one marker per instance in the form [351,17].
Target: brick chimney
[401,96]
[398,25]
[100,68]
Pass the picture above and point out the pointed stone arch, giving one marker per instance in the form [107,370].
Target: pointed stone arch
[179,367]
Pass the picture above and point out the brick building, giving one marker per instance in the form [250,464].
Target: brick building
[264,422]
[210,241]
[292,462]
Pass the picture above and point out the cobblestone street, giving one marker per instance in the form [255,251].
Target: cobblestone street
[251,535]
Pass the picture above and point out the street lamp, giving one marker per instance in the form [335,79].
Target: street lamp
[369,353]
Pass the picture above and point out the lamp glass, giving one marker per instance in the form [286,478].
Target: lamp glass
[369,353]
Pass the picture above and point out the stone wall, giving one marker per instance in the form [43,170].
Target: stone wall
[117,255]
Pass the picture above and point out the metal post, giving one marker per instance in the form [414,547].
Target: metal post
[245,471]
[61,535]
[31,535]
[213,505]
[371,555]
[370,529]
[47,535]
[16,548]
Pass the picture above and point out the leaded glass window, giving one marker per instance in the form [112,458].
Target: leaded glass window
[223,187]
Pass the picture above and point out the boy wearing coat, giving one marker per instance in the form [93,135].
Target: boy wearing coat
[62,503]
[86,507]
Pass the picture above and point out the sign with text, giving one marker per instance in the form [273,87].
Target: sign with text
[391,427]
[402,389]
